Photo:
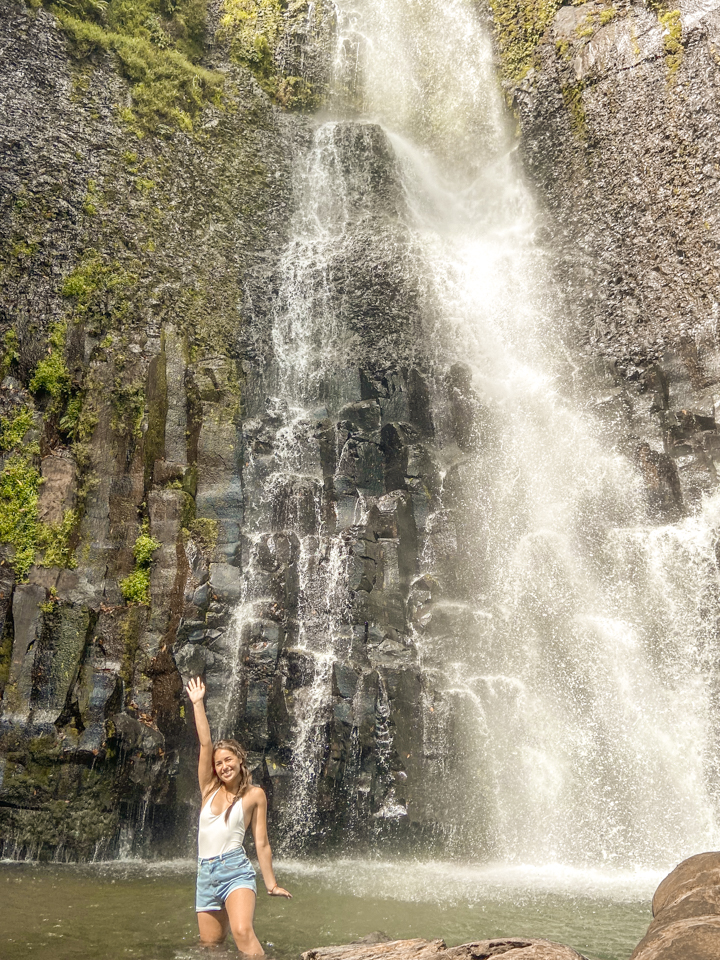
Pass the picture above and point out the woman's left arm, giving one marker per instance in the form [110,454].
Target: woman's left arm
[258,825]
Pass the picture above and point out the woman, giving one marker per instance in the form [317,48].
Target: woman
[226,888]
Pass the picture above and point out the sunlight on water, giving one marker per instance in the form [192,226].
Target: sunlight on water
[144,910]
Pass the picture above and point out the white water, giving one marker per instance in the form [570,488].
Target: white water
[570,662]
[579,679]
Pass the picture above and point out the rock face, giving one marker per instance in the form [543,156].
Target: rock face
[172,508]
[139,276]
[619,116]
[686,912]
[516,948]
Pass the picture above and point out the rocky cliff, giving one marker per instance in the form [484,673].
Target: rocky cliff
[146,200]
[149,533]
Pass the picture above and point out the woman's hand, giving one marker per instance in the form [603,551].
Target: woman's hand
[196,690]
[279,892]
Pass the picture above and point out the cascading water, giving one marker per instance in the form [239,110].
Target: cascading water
[569,659]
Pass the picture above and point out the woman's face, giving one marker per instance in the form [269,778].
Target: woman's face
[227,765]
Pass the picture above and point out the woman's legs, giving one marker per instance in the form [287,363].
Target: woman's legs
[213,925]
[240,906]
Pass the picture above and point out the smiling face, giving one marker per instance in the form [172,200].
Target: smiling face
[227,766]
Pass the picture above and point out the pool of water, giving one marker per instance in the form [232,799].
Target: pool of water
[145,911]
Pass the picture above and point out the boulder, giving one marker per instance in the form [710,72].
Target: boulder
[511,948]
[702,870]
[686,911]
[694,938]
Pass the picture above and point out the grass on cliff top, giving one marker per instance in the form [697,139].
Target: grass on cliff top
[156,43]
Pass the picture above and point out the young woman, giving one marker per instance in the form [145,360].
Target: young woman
[226,887]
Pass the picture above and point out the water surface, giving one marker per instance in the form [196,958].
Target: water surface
[145,910]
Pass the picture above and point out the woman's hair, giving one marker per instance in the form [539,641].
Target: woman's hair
[245,778]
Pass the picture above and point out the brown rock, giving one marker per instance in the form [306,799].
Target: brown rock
[57,493]
[703,902]
[511,948]
[694,938]
[702,870]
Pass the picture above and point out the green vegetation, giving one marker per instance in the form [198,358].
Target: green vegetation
[9,353]
[594,20]
[19,489]
[573,99]
[519,27]
[19,525]
[254,28]
[56,541]
[158,44]
[19,485]
[204,532]
[51,374]
[135,588]
[128,405]
[672,41]
[99,290]
[13,430]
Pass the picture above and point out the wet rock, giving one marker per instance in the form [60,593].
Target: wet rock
[702,870]
[226,581]
[686,912]
[57,493]
[516,948]
[693,938]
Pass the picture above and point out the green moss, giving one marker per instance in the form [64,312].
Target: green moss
[51,374]
[573,99]
[519,27]
[21,248]
[6,645]
[10,352]
[56,541]
[135,588]
[19,485]
[204,532]
[99,290]
[166,87]
[128,409]
[12,430]
[608,15]
[672,41]
[594,20]
[144,547]
[254,28]
[157,411]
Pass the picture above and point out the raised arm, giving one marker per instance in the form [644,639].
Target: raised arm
[258,823]
[196,692]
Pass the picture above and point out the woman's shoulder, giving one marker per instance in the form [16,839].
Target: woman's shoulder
[254,794]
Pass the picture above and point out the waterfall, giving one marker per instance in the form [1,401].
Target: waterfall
[569,658]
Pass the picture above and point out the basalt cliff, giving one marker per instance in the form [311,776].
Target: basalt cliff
[147,152]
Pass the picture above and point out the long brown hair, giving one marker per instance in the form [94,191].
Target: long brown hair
[245,777]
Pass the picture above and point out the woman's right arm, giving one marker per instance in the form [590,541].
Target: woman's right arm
[196,692]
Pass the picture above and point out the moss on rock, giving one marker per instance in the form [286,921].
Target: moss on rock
[519,28]
[157,45]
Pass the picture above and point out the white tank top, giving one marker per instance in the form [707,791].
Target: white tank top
[214,835]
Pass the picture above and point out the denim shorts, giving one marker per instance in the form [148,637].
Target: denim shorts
[217,877]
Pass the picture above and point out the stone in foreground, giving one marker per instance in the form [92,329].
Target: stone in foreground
[686,911]
[511,948]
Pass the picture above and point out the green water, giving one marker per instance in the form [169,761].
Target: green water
[145,910]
